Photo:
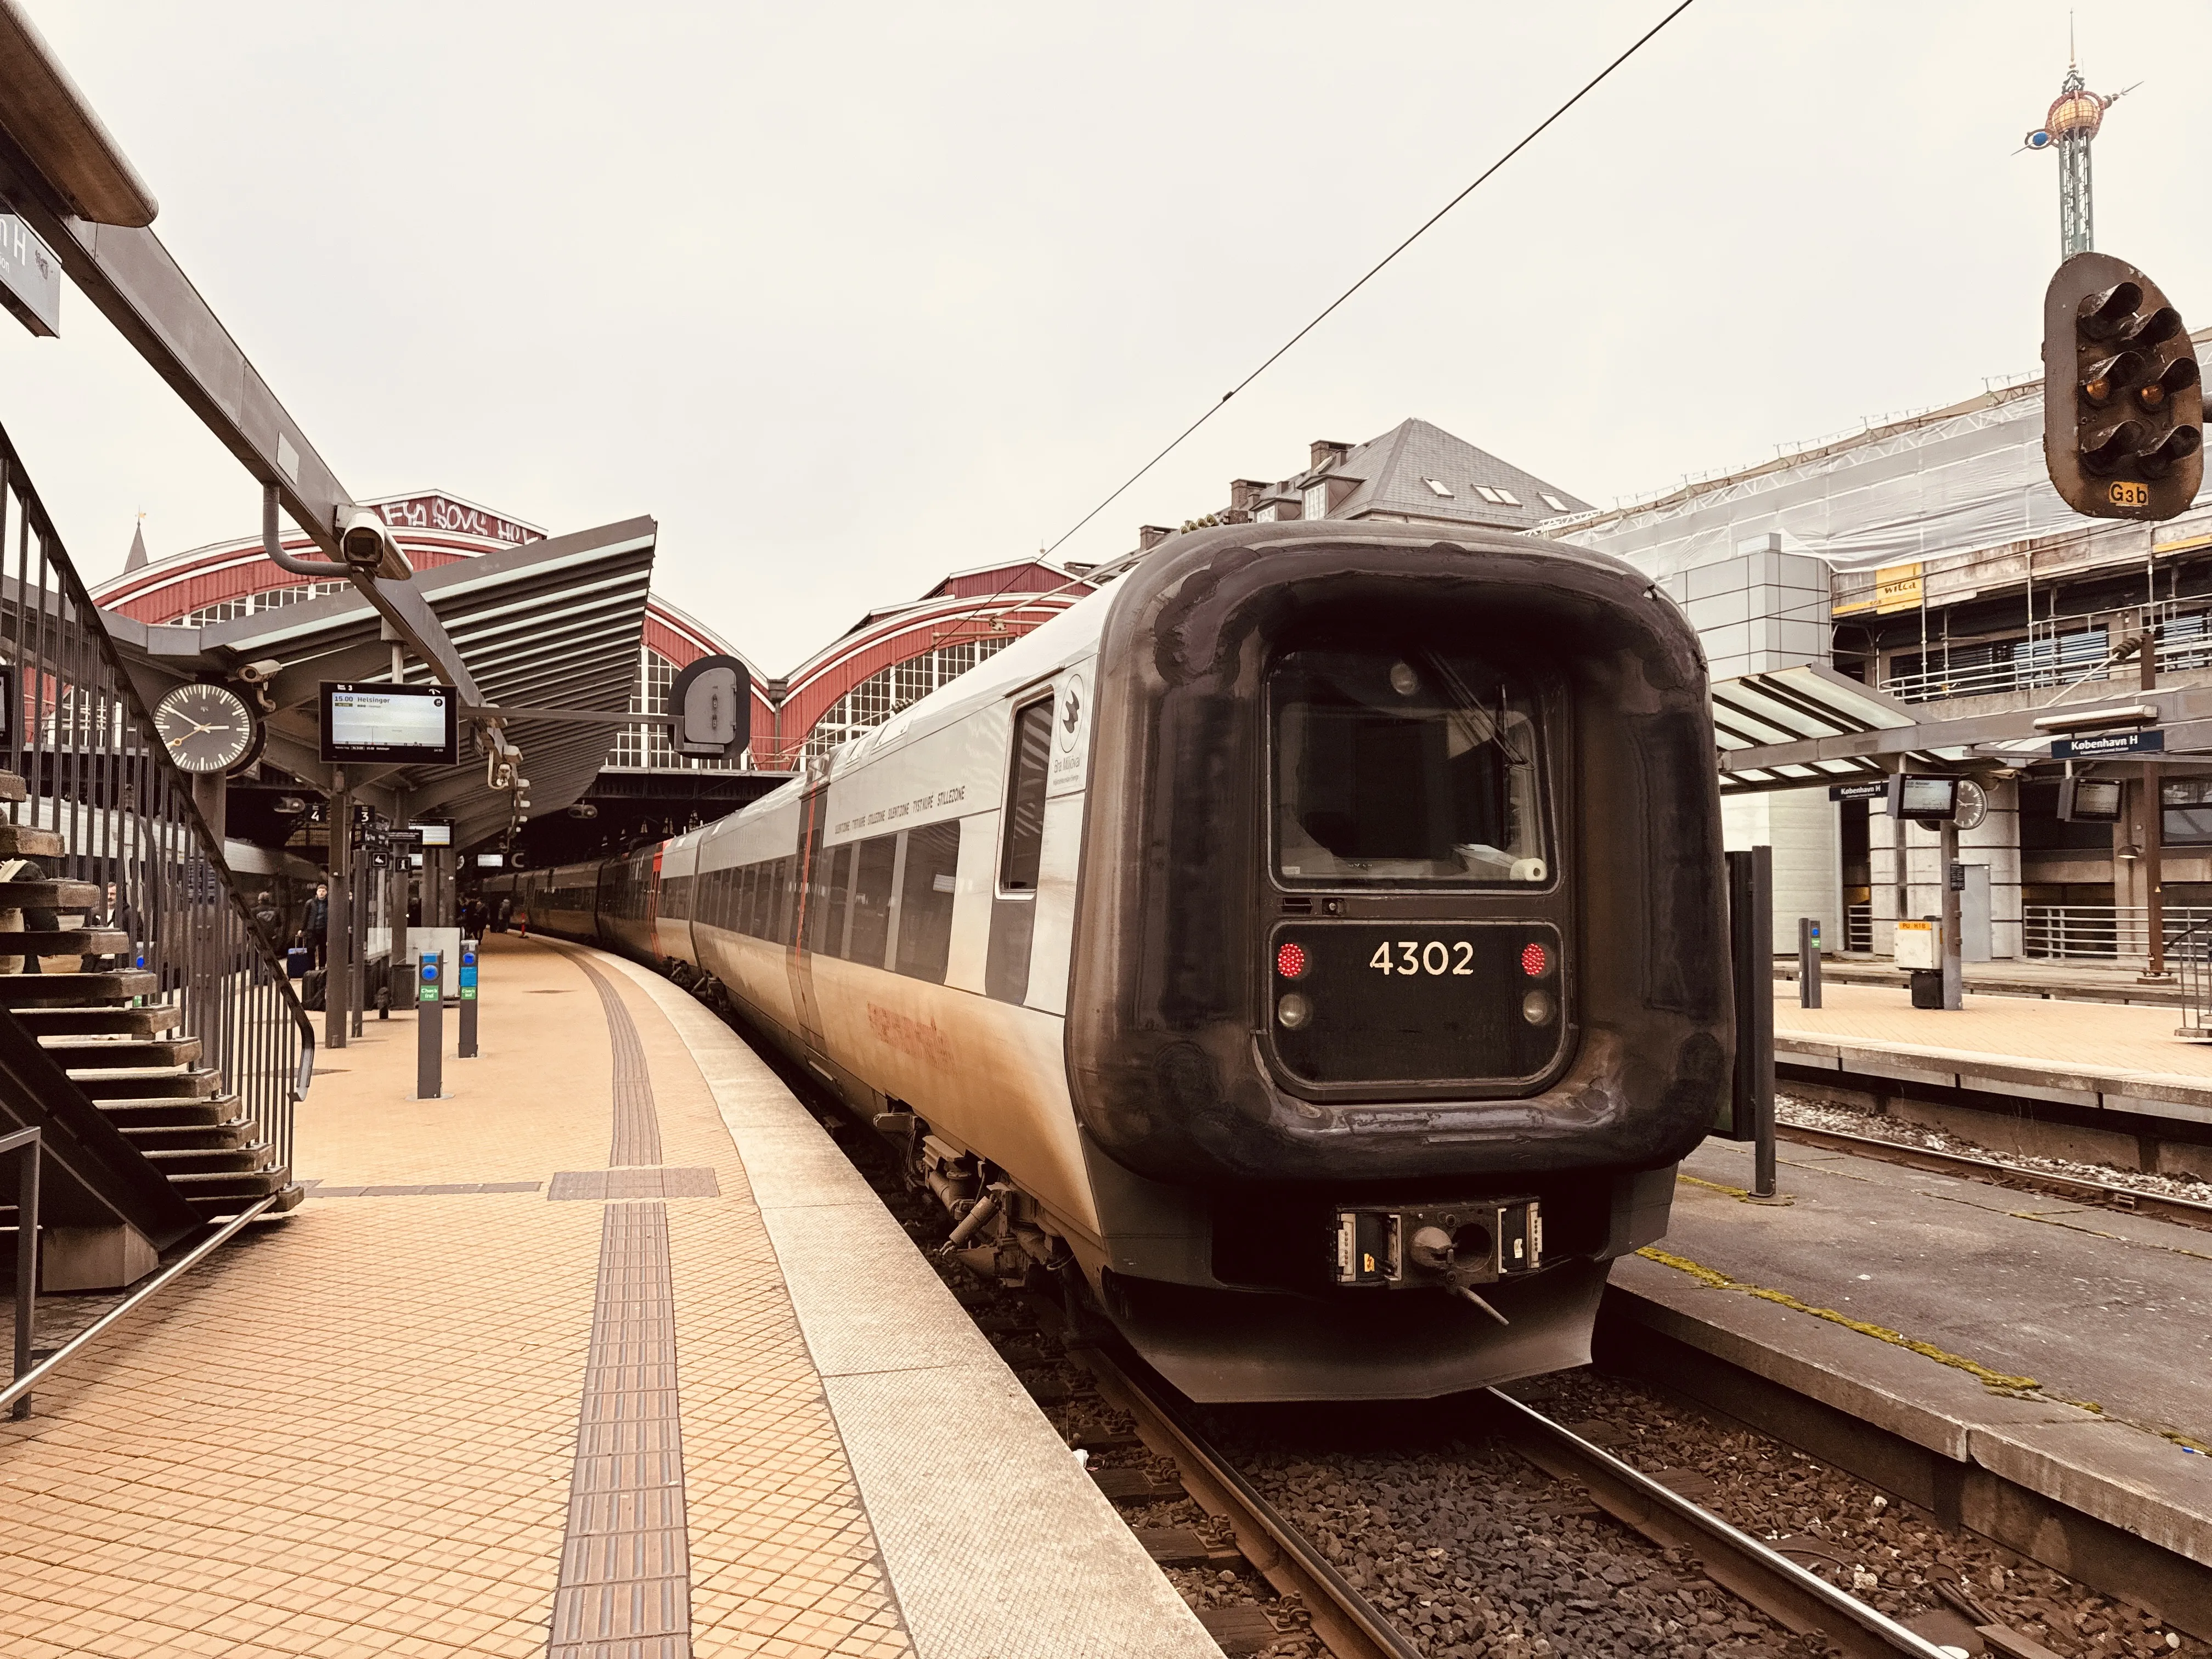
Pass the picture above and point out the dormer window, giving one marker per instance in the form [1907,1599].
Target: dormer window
[1316,498]
[1439,487]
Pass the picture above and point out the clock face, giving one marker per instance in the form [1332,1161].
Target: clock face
[208,728]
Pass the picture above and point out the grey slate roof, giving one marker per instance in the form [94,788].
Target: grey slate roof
[1395,465]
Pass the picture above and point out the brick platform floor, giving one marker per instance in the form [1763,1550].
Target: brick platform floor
[2102,1035]
[357,1431]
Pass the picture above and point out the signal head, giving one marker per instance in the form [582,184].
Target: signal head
[2128,443]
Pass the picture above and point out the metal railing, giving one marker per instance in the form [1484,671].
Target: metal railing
[1858,929]
[2188,957]
[2065,659]
[2085,933]
[97,775]
[25,1144]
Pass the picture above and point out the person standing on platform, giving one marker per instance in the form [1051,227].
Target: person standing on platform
[315,925]
[266,916]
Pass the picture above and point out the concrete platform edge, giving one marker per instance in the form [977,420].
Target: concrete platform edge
[2125,1477]
[996,1543]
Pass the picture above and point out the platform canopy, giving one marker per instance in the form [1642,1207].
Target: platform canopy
[1773,728]
[548,631]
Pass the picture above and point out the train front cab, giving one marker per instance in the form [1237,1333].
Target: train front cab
[1402,978]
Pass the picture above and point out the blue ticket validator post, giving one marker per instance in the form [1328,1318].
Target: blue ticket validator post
[466,1049]
[430,1028]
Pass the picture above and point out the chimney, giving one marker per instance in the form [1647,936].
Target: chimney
[1244,493]
[1150,536]
[1323,452]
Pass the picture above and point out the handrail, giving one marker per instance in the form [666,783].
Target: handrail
[88,615]
[28,1143]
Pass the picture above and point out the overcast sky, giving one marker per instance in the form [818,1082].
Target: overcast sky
[850,296]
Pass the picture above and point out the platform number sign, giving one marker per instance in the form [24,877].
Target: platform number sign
[2123,406]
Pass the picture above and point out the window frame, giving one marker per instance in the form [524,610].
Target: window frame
[1047,700]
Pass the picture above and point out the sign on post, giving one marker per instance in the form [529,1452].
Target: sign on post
[466,1048]
[429,1024]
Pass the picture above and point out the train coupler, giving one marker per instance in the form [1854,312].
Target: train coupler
[1447,1245]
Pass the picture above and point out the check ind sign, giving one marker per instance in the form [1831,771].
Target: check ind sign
[2150,742]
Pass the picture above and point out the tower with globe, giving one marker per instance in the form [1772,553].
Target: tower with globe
[2070,128]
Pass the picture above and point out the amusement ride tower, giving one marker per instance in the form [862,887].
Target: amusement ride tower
[2070,127]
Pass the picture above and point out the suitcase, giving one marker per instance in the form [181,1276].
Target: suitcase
[297,961]
[311,988]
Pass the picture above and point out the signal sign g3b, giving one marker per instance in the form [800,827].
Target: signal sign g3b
[2122,404]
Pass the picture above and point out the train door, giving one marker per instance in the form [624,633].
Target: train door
[809,898]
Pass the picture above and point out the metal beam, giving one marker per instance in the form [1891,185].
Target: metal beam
[128,274]
[584,716]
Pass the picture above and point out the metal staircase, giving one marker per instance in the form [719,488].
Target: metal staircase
[147,1027]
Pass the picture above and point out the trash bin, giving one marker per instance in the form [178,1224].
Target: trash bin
[1926,988]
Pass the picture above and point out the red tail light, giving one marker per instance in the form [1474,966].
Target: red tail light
[1536,961]
[1290,961]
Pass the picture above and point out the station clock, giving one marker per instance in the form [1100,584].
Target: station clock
[208,728]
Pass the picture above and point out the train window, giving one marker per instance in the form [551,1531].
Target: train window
[839,891]
[872,864]
[819,889]
[925,934]
[1021,847]
[747,898]
[1419,769]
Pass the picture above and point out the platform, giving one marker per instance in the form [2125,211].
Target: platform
[2116,1074]
[608,1353]
[2073,980]
[2065,1351]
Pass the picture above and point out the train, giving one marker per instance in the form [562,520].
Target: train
[1310,947]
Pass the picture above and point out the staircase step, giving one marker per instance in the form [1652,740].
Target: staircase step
[69,896]
[81,1053]
[127,1115]
[121,1088]
[44,1022]
[20,840]
[66,942]
[78,989]
[174,1161]
[166,1137]
[227,1192]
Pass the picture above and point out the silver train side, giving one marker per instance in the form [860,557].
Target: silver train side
[1313,944]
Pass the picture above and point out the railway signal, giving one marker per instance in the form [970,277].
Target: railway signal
[2124,411]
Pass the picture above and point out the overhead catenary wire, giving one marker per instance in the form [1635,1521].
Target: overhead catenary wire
[988,601]
[1375,271]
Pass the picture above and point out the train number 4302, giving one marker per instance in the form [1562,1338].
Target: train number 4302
[1411,956]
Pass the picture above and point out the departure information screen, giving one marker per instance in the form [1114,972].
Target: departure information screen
[402,724]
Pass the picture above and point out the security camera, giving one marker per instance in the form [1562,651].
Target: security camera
[583,809]
[254,673]
[366,544]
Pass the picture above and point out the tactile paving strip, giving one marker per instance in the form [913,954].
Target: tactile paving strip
[625,1585]
[637,1128]
[619,1185]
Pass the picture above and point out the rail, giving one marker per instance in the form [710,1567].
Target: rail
[97,775]
[2187,1211]
[1353,1628]
[2109,932]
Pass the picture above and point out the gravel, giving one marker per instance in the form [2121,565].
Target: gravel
[1875,1125]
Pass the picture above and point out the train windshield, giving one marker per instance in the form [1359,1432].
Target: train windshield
[1395,770]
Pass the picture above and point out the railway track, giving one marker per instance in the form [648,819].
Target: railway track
[1351,1627]
[2188,1212]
